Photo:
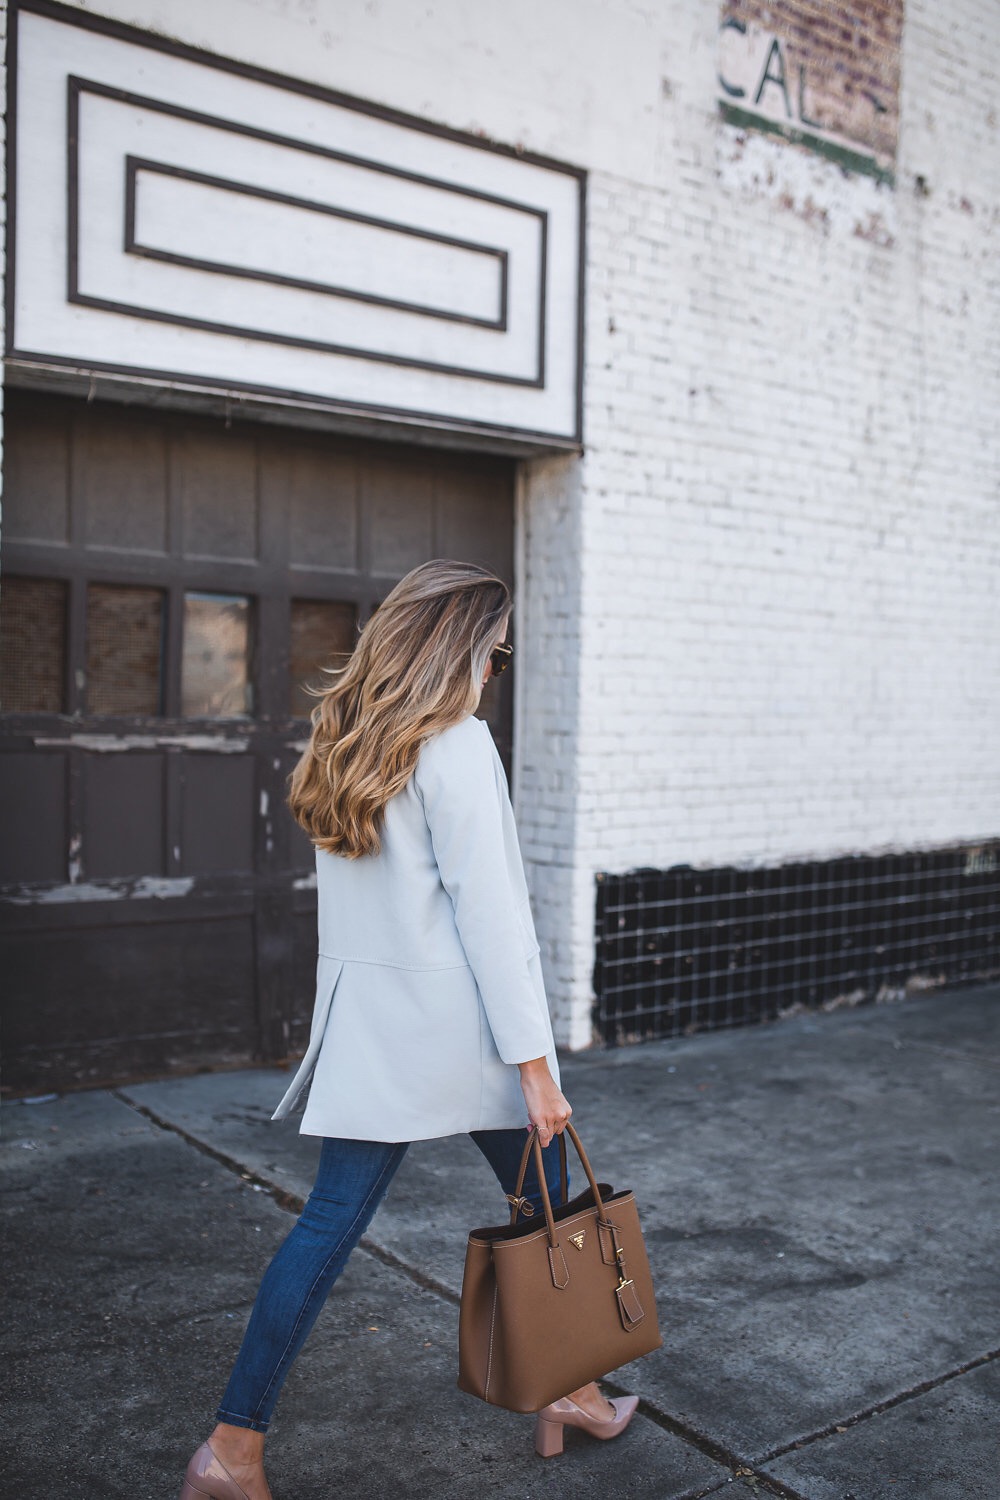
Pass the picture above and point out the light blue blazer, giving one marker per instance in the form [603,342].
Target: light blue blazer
[429,987]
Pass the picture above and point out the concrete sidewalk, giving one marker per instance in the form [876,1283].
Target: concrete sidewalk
[821,1209]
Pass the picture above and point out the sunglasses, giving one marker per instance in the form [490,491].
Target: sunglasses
[500,658]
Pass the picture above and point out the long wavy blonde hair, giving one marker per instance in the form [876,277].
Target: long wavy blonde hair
[417,668]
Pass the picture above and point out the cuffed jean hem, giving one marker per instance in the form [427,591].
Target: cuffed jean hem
[235,1420]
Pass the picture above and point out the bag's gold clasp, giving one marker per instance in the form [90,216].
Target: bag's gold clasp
[521,1206]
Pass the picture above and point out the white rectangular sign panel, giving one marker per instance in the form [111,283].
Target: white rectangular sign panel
[178,216]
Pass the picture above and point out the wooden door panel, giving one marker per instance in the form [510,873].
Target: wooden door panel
[293,847]
[120,481]
[33,847]
[299,1020]
[321,492]
[474,520]
[218,816]
[123,815]
[399,506]
[36,474]
[157,899]
[92,1004]
[216,472]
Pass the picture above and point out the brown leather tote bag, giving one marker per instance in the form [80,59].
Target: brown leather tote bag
[545,1310]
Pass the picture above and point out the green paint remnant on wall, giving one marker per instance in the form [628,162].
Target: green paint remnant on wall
[844,156]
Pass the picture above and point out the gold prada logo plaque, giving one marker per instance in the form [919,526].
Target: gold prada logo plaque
[578,1239]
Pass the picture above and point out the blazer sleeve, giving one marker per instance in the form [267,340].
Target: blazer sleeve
[457,782]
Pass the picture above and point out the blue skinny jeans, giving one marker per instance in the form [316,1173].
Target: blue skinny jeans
[352,1180]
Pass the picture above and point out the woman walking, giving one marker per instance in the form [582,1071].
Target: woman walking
[430,1016]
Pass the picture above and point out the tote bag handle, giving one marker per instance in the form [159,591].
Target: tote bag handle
[533,1143]
[521,1205]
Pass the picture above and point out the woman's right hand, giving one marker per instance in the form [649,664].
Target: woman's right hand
[548,1107]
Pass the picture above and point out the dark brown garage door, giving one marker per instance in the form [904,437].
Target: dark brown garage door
[169,587]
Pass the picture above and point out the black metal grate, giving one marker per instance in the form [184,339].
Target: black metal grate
[685,950]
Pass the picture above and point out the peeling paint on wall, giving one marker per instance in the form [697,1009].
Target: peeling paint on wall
[217,744]
[802,184]
[145,888]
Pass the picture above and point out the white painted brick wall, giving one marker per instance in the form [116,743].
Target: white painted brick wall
[791,542]
[758,619]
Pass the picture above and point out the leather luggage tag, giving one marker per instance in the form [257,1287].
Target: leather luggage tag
[629,1306]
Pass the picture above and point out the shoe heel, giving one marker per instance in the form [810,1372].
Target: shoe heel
[188,1492]
[548,1438]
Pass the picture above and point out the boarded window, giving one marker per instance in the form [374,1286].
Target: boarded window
[215,666]
[323,633]
[32,645]
[124,649]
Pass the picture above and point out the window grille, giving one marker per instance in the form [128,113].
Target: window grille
[32,645]
[124,649]
[323,635]
[215,662]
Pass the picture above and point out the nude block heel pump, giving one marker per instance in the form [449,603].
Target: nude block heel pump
[207,1478]
[565,1413]
[548,1438]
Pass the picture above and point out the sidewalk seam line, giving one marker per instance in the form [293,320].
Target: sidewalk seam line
[738,1467]
[285,1199]
[292,1203]
[878,1407]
